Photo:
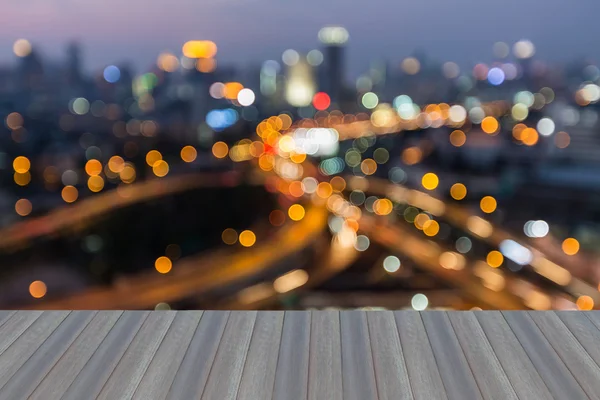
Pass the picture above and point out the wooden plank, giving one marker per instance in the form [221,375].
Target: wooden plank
[391,374]
[25,380]
[160,374]
[226,372]
[358,374]
[555,374]
[584,330]
[455,371]
[15,326]
[129,372]
[258,377]
[291,378]
[5,315]
[490,376]
[425,379]
[97,370]
[523,376]
[72,361]
[571,352]
[192,374]
[325,360]
[593,316]
[21,349]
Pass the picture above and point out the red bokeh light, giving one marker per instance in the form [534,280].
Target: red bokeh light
[321,101]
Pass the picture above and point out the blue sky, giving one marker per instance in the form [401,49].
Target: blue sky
[248,31]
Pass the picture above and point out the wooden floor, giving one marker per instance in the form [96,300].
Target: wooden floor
[324,355]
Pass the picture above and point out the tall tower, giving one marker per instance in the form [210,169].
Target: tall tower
[334,39]
[74,63]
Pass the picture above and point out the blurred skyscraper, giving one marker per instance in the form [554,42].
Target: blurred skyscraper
[334,38]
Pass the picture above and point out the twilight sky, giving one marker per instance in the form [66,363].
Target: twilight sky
[248,31]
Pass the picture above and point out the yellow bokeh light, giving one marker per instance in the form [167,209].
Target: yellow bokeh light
[21,164]
[430,181]
[163,264]
[529,136]
[412,155]
[220,149]
[324,190]
[229,236]
[160,168]
[206,65]
[489,125]
[458,191]
[152,157]
[93,167]
[247,238]
[368,166]
[338,184]
[570,246]
[167,62]
[23,207]
[431,228]
[296,212]
[297,158]
[383,206]
[286,121]
[232,89]
[128,174]
[189,154]
[37,289]
[22,48]
[411,65]
[495,259]
[488,204]
[585,303]
[22,179]
[421,220]
[458,138]
[95,183]
[116,164]
[69,194]
[199,49]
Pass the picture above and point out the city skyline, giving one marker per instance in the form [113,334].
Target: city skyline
[243,37]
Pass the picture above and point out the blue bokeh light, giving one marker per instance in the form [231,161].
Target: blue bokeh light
[112,74]
[221,119]
[495,76]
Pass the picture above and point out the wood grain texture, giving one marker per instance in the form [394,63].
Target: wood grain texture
[307,355]
[571,352]
[358,374]
[488,372]
[72,361]
[425,379]
[26,379]
[391,374]
[325,364]
[22,348]
[129,372]
[99,367]
[258,376]
[226,372]
[553,371]
[5,315]
[166,362]
[584,330]
[12,328]
[455,371]
[518,367]
[291,377]
[193,372]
